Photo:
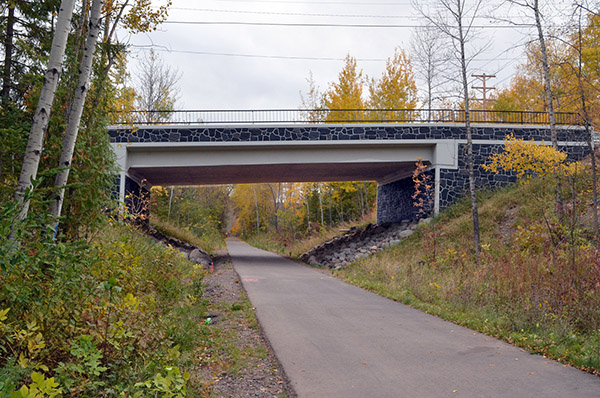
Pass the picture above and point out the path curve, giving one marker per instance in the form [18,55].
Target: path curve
[337,340]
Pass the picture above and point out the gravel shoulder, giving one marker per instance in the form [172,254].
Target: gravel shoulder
[242,363]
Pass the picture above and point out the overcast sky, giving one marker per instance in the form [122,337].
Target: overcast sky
[258,67]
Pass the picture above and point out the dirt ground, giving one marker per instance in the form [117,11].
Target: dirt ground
[255,371]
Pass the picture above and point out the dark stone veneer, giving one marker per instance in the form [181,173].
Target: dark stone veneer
[333,132]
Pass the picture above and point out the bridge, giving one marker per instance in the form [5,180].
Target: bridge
[257,146]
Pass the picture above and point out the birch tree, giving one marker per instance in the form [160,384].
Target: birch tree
[156,88]
[427,47]
[533,7]
[455,19]
[581,77]
[76,110]
[41,117]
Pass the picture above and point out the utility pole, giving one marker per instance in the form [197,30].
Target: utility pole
[484,88]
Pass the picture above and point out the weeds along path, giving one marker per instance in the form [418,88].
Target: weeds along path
[337,340]
[239,362]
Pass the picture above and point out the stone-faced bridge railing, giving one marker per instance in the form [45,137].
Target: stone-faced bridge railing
[198,154]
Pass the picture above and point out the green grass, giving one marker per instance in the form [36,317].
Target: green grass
[209,242]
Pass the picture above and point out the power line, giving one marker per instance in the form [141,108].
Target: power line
[320,25]
[316,2]
[269,56]
[254,55]
[292,13]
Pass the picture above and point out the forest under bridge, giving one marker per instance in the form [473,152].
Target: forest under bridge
[225,147]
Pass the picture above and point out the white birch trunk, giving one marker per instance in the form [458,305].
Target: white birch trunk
[548,90]
[470,166]
[546,71]
[41,117]
[76,111]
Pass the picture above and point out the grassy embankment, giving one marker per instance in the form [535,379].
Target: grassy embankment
[209,242]
[538,282]
[118,314]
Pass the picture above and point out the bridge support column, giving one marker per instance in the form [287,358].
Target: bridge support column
[395,202]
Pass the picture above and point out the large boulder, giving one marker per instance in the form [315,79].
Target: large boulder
[199,256]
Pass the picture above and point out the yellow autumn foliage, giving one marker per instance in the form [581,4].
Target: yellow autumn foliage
[528,159]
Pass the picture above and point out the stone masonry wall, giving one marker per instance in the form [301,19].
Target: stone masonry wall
[316,132]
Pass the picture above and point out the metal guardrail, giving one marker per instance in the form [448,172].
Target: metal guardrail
[318,116]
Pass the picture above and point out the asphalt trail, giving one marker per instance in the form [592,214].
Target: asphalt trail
[337,340]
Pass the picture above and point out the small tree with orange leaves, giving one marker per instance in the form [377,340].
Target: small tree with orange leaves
[424,194]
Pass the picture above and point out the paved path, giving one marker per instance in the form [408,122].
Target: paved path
[337,340]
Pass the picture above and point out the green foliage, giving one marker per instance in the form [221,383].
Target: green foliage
[32,37]
[195,215]
[171,385]
[83,372]
[15,124]
[98,317]
[292,211]
[41,387]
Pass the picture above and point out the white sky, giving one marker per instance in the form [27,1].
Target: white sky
[240,82]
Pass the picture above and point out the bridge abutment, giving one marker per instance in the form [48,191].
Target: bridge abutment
[395,202]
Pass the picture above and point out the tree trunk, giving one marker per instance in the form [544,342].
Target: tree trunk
[307,213]
[588,133]
[257,210]
[321,204]
[41,117]
[74,120]
[330,205]
[546,72]
[359,200]
[8,52]
[366,190]
[550,102]
[470,167]
[170,203]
